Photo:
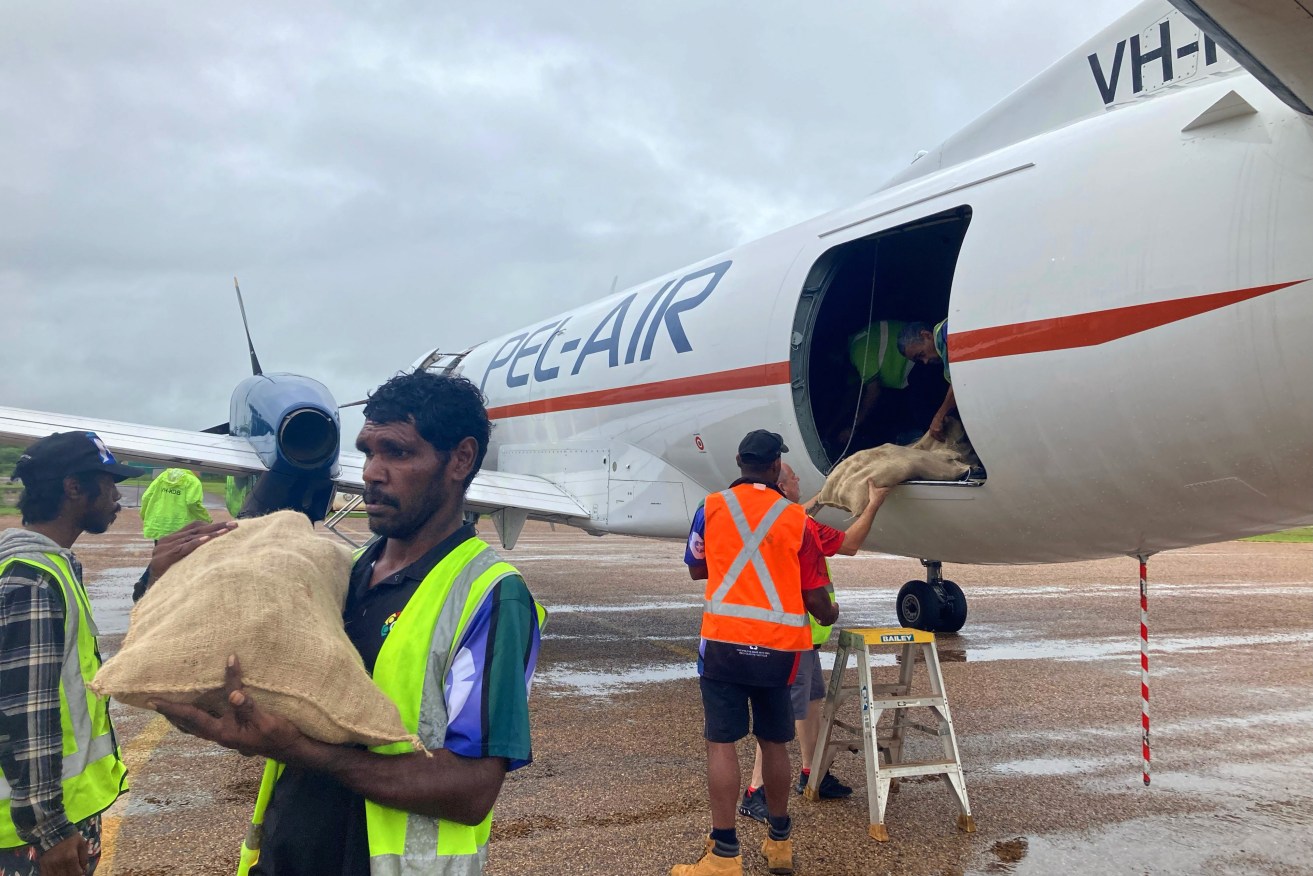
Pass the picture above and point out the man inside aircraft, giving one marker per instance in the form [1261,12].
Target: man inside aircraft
[765,572]
[880,365]
[920,343]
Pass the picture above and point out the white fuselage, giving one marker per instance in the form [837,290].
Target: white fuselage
[1184,429]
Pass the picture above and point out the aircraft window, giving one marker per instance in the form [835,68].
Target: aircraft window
[894,276]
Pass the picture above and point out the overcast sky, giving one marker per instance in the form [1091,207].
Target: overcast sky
[392,177]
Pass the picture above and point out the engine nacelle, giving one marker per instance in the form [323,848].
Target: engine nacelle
[292,423]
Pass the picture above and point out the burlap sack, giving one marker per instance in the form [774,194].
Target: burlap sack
[891,464]
[271,591]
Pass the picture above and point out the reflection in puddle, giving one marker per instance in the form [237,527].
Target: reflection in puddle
[1010,852]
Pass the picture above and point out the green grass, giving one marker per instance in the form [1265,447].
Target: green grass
[1302,535]
[8,511]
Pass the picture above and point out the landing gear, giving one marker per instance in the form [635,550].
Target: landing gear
[935,604]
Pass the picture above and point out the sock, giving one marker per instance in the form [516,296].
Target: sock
[727,842]
[805,775]
[780,827]
[752,789]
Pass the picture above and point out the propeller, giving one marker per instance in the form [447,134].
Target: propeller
[255,362]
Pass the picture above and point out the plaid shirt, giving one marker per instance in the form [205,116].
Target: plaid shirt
[31,739]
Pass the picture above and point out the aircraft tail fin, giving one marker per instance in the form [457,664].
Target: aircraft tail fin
[1151,49]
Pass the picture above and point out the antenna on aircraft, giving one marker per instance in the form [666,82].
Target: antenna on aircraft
[255,363]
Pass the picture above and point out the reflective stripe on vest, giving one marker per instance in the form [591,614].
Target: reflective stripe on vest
[424,635]
[92,772]
[777,624]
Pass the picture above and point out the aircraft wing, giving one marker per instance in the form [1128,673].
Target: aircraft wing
[490,493]
[1272,39]
[224,454]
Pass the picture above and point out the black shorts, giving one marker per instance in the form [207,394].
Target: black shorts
[725,705]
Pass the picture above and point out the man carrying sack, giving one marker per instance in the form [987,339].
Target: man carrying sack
[450,633]
[764,572]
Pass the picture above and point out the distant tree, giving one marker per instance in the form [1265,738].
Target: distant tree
[8,457]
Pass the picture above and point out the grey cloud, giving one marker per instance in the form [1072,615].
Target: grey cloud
[393,177]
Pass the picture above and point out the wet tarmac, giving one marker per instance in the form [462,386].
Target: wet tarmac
[1043,683]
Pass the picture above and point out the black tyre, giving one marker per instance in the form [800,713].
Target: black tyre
[953,613]
[918,606]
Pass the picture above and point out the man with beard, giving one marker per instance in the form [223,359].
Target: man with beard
[449,632]
[61,764]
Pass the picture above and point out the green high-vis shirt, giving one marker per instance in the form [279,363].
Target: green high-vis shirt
[874,353]
[171,502]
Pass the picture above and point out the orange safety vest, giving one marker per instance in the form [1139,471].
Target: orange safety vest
[754,587]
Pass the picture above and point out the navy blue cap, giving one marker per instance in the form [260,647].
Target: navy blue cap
[761,446]
[66,453]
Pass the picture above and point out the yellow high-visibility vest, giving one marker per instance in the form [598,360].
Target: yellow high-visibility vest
[93,772]
[820,632]
[411,669]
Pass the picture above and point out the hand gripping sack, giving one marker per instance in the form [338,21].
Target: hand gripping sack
[271,591]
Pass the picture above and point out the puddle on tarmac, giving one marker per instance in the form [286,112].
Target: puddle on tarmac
[623,607]
[1119,648]
[1249,819]
[953,649]
[111,598]
[1182,845]
[691,640]
[569,679]
[1054,766]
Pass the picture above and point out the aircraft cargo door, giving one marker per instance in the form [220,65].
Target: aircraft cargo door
[852,390]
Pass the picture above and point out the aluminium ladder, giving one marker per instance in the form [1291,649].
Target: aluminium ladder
[884,754]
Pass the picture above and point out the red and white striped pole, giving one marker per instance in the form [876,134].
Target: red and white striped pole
[1144,661]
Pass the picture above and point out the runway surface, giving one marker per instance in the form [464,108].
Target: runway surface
[1043,683]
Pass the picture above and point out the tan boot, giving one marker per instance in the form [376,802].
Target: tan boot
[779,856]
[711,865]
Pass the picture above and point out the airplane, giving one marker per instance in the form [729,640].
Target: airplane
[1123,250]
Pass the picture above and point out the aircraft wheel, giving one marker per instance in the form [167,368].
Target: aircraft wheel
[953,613]
[918,606]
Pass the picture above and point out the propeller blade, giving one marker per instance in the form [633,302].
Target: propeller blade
[255,363]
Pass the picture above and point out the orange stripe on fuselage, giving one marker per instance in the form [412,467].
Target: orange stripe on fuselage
[721,381]
[1059,333]
[1089,329]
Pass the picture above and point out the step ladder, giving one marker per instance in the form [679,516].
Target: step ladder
[884,754]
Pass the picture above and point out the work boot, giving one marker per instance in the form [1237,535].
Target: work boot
[779,855]
[712,864]
[754,805]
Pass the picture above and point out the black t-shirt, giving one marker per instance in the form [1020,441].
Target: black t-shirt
[315,826]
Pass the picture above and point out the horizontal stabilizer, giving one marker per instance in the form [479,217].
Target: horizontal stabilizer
[1272,39]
